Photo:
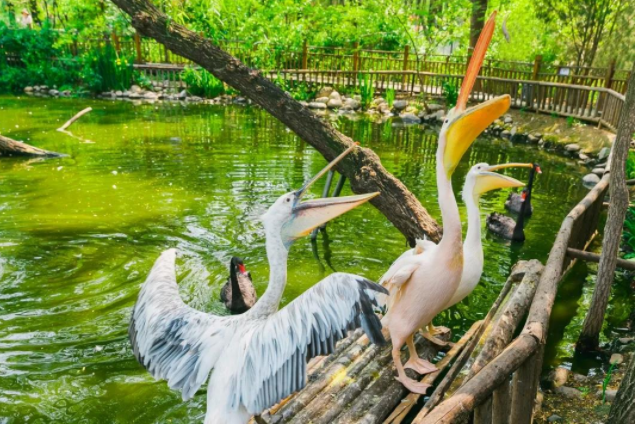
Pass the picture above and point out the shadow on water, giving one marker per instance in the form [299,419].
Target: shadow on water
[78,236]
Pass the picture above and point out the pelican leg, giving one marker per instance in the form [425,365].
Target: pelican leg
[410,384]
[414,362]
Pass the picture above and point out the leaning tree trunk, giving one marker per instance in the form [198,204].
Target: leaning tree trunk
[363,167]
[10,147]
[590,336]
[623,408]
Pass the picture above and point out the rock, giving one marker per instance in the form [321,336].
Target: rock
[506,134]
[135,89]
[532,139]
[410,119]
[334,103]
[66,93]
[378,101]
[54,92]
[433,107]
[119,93]
[182,95]
[44,88]
[609,395]
[580,378]
[554,418]
[352,103]
[324,100]
[194,99]
[598,171]
[583,157]
[28,89]
[240,101]
[616,358]
[357,97]
[135,95]
[317,105]
[384,108]
[590,180]
[149,95]
[559,376]
[568,392]
[335,96]
[125,94]
[572,148]
[508,119]
[604,153]
[439,115]
[324,92]
[625,340]
[302,102]
[399,105]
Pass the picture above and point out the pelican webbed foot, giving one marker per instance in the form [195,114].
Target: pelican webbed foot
[413,385]
[420,365]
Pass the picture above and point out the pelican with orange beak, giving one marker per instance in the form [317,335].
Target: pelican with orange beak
[421,285]
[255,359]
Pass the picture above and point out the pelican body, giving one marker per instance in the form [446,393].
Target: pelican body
[257,358]
[423,284]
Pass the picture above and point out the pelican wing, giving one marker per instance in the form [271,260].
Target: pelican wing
[171,340]
[277,351]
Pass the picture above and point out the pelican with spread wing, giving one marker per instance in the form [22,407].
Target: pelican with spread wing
[257,358]
[421,285]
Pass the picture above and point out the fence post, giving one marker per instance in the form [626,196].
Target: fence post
[305,55]
[356,56]
[406,51]
[137,46]
[166,54]
[536,71]
[610,72]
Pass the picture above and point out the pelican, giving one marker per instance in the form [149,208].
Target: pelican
[515,202]
[257,358]
[506,226]
[238,294]
[479,180]
[423,284]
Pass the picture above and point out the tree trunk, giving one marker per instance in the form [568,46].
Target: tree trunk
[590,336]
[35,12]
[363,167]
[10,147]
[623,408]
[479,7]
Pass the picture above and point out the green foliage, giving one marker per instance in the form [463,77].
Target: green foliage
[104,70]
[450,94]
[390,96]
[630,165]
[606,381]
[628,234]
[366,89]
[202,83]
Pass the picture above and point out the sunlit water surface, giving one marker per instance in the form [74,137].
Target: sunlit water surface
[78,236]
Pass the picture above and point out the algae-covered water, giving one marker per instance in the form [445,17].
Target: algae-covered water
[78,236]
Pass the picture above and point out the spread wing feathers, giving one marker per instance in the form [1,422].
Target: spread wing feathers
[171,340]
[402,275]
[275,362]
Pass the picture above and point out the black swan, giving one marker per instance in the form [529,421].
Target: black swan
[238,294]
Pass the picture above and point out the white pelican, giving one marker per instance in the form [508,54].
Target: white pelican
[422,286]
[257,358]
[480,179]
[238,294]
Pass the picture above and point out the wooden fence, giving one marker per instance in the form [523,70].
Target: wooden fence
[504,390]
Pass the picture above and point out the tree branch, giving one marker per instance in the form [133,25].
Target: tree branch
[363,167]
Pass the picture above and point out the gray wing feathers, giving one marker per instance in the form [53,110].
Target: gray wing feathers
[311,325]
[171,340]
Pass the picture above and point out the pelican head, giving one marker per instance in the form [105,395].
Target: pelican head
[482,178]
[462,124]
[295,218]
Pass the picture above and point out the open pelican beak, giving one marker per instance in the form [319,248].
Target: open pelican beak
[467,124]
[488,180]
[309,215]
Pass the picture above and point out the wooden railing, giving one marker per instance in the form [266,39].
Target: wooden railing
[508,384]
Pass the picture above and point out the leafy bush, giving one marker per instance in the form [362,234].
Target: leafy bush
[628,234]
[630,165]
[366,89]
[104,70]
[202,83]
[390,96]
[450,94]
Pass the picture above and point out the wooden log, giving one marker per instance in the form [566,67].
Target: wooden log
[406,405]
[522,401]
[10,147]
[74,118]
[594,257]
[483,413]
[501,404]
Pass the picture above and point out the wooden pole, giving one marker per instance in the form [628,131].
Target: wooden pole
[536,71]
[137,46]
[406,50]
[610,73]
[305,55]
[356,56]
[590,336]
[594,257]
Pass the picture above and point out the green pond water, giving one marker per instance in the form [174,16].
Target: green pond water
[78,236]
